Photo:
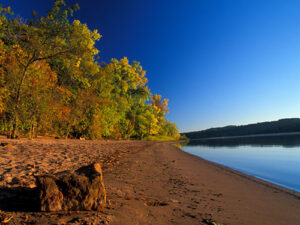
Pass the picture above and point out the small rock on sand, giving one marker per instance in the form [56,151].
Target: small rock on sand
[79,190]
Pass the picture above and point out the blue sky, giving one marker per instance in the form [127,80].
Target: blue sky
[219,62]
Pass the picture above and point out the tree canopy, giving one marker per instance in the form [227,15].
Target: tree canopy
[51,83]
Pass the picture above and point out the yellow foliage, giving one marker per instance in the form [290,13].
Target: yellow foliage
[78,63]
[52,79]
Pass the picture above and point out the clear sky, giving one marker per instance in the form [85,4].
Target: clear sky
[219,62]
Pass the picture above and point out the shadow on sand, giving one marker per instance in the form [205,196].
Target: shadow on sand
[19,199]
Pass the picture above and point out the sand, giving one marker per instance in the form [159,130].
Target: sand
[146,182]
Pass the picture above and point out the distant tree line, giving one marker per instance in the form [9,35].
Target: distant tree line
[285,140]
[52,84]
[280,126]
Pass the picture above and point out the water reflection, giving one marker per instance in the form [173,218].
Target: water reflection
[278,140]
[180,144]
[272,158]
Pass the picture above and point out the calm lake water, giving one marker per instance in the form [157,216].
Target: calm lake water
[272,158]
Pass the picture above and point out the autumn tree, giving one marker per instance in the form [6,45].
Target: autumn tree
[52,84]
[122,87]
[52,39]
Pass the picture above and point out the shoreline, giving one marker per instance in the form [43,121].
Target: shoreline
[206,191]
[149,183]
[255,179]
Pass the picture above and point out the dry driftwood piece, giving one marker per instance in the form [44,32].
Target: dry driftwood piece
[82,189]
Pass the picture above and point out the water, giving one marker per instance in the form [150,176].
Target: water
[272,158]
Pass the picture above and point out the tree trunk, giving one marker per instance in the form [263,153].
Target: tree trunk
[18,98]
[14,130]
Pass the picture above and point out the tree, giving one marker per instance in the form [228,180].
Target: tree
[160,104]
[52,84]
[122,87]
[50,39]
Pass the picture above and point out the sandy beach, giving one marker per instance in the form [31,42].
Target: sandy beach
[146,183]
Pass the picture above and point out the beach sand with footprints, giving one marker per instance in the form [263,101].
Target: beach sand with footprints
[146,183]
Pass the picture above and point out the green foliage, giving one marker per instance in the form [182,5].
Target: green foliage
[184,138]
[51,83]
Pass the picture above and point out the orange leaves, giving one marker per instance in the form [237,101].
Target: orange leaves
[2,56]
[5,10]
[49,78]
[41,76]
[161,105]
[64,112]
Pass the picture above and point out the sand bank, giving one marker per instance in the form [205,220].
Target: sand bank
[149,183]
